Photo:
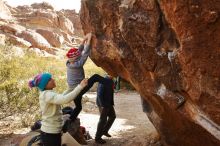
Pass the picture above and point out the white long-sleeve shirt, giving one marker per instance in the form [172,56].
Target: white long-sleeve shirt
[50,105]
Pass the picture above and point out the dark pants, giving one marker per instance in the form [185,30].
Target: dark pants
[107,117]
[50,139]
[78,99]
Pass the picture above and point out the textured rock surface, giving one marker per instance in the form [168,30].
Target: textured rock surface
[19,42]
[43,5]
[37,40]
[53,38]
[52,28]
[74,18]
[169,51]
[12,28]
[4,11]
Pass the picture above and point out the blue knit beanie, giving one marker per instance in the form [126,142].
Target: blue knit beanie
[40,81]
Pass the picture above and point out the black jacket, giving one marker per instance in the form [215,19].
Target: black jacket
[105,94]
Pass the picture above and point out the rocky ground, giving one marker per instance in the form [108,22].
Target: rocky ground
[131,128]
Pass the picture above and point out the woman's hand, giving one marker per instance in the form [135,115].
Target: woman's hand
[84,82]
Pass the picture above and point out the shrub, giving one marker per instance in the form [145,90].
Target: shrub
[16,98]
[15,72]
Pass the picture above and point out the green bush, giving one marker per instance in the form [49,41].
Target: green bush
[16,98]
[15,72]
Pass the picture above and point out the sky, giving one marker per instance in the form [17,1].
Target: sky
[57,4]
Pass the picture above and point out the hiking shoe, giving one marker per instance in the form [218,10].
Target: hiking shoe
[107,134]
[100,141]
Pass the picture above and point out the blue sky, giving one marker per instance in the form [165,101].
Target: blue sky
[57,4]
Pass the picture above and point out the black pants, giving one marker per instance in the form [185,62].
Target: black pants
[107,117]
[78,99]
[49,139]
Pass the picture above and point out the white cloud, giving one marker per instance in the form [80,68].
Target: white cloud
[57,4]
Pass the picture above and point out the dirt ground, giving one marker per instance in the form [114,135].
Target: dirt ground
[131,127]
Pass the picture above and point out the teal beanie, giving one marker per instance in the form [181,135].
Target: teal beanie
[40,81]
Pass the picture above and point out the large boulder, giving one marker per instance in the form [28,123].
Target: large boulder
[65,24]
[37,40]
[39,19]
[75,19]
[169,51]
[53,38]
[18,41]
[12,28]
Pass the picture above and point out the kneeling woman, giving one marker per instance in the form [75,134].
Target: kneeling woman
[50,106]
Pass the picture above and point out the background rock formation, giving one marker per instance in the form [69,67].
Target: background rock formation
[40,25]
[4,11]
[169,51]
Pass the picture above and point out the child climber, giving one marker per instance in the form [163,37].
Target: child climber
[75,62]
[50,106]
[75,72]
